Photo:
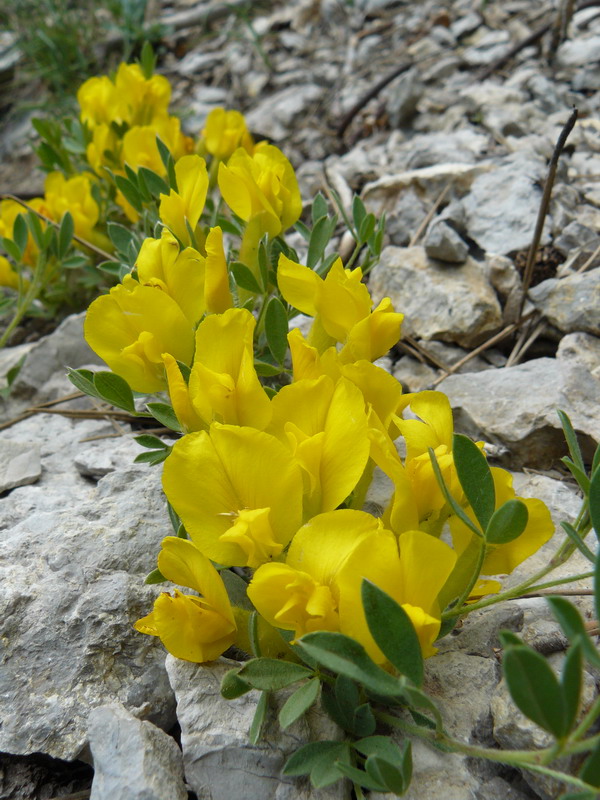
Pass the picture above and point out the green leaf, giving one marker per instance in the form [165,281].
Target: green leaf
[418,699]
[115,390]
[393,632]
[244,277]
[361,778]
[318,759]
[387,774]
[573,627]
[276,329]
[508,639]
[385,748]
[163,151]
[173,517]
[319,238]
[83,379]
[130,192]
[359,212]
[266,369]
[155,576]
[12,249]
[270,674]
[571,439]
[535,689]
[299,702]
[236,589]
[571,680]
[233,686]
[367,228]
[253,634]
[594,501]
[507,523]
[475,478]
[20,233]
[585,795]
[151,442]
[147,60]
[363,721]
[163,413]
[303,230]
[263,263]
[595,460]
[448,497]
[590,772]
[461,575]
[155,184]
[578,541]
[152,457]
[597,586]
[319,208]
[258,721]
[579,474]
[348,657]
[120,236]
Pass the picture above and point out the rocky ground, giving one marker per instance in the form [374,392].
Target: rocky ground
[455,149]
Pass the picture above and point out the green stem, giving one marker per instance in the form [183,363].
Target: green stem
[476,572]
[587,721]
[516,758]
[354,256]
[25,302]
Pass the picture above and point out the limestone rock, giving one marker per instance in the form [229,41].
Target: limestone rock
[502,205]
[571,303]
[218,760]
[73,565]
[274,115]
[455,304]
[581,348]
[133,760]
[444,243]
[19,464]
[516,407]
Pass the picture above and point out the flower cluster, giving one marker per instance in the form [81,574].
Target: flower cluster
[273,480]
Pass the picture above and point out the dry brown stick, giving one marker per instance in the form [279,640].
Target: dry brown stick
[587,264]
[123,416]
[64,399]
[47,220]
[544,205]
[14,420]
[482,347]
[429,216]
[370,94]
[526,42]
[419,351]
[525,342]
[117,435]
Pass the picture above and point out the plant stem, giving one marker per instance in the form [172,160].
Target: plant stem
[587,721]
[476,572]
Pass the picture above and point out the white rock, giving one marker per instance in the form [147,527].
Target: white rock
[581,348]
[19,464]
[274,115]
[516,407]
[451,303]
[133,760]
[571,303]
[219,762]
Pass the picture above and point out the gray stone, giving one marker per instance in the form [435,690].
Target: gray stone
[502,205]
[403,96]
[133,760]
[576,236]
[19,464]
[444,243]
[274,115]
[489,46]
[219,761]
[571,303]
[516,407]
[578,52]
[502,274]
[581,348]
[454,304]
[466,25]
[478,633]
[74,560]
[413,374]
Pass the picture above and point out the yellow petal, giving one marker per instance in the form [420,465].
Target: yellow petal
[209,479]
[181,562]
[372,336]
[188,202]
[180,396]
[216,288]
[343,300]
[299,285]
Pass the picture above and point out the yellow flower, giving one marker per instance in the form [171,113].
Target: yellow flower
[225,131]
[411,568]
[301,595]
[261,183]
[217,293]
[132,326]
[237,491]
[223,383]
[9,211]
[319,586]
[75,195]
[325,426]
[139,148]
[341,305]
[179,273]
[182,208]
[192,628]
[502,559]
[97,100]
[8,276]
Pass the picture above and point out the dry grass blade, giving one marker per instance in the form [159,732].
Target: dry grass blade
[429,216]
